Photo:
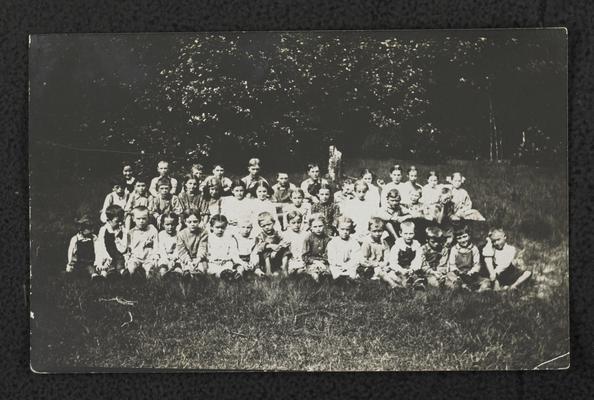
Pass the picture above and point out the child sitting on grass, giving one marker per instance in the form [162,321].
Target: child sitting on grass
[164,202]
[347,191]
[374,251]
[344,252]
[117,196]
[222,253]
[404,261]
[191,245]
[461,200]
[163,170]
[295,237]
[501,262]
[315,255]
[392,213]
[270,247]
[464,264]
[246,245]
[282,189]
[139,198]
[81,251]
[168,256]
[327,208]
[112,243]
[434,257]
[143,244]
[297,205]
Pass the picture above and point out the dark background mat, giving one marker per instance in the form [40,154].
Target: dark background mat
[19,18]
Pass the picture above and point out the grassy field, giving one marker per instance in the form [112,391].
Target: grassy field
[295,324]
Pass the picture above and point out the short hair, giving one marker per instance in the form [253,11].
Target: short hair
[163,182]
[197,167]
[348,181]
[278,174]
[311,166]
[127,165]
[393,194]
[407,224]
[139,209]
[245,221]
[190,212]
[84,222]
[141,179]
[361,184]
[375,221]
[265,216]
[291,215]
[113,211]
[254,162]
[495,232]
[218,218]
[317,217]
[217,165]
[211,183]
[434,232]
[299,191]
[170,215]
[162,163]
[117,181]
[461,230]
[346,220]
[396,167]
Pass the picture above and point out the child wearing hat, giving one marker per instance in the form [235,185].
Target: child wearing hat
[81,251]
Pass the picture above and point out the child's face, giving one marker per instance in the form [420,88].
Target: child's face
[463,240]
[267,226]
[498,240]
[360,192]
[141,219]
[408,234]
[192,223]
[412,176]
[197,173]
[314,173]
[164,190]
[344,231]
[282,179]
[376,232]
[245,229]
[254,170]
[296,199]
[367,178]
[396,176]
[127,172]
[163,169]
[324,195]
[191,185]
[169,225]
[219,228]
[118,189]
[213,191]
[238,192]
[86,231]
[415,196]
[295,224]
[456,181]
[393,202]
[218,171]
[261,193]
[432,181]
[348,188]
[317,227]
[140,187]
[115,223]
[435,243]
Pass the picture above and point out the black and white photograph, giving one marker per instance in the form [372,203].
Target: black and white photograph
[299,201]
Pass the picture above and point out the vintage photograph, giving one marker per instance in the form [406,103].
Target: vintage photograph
[303,201]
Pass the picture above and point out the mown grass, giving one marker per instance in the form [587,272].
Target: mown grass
[296,324]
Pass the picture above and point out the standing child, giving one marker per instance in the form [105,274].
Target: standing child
[246,245]
[168,255]
[344,252]
[294,236]
[313,181]
[253,176]
[434,257]
[112,243]
[431,192]
[211,201]
[282,189]
[189,199]
[163,170]
[260,203]
[164,203]
[139,198]
[197,171]
[218,173]
[270,247]
[374,251]
[129,179]
[347,192]
[501,262]
[297,205]
[143,243]
[236,207]
[461,200]
[81,251]
[464,264]
[327,208]
[395,183]
[118,196]
[373,193]
[315,254]
[191,245]
[404,261]
[410,186]
[222,253]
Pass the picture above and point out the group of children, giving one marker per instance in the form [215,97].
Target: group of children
[402,233]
